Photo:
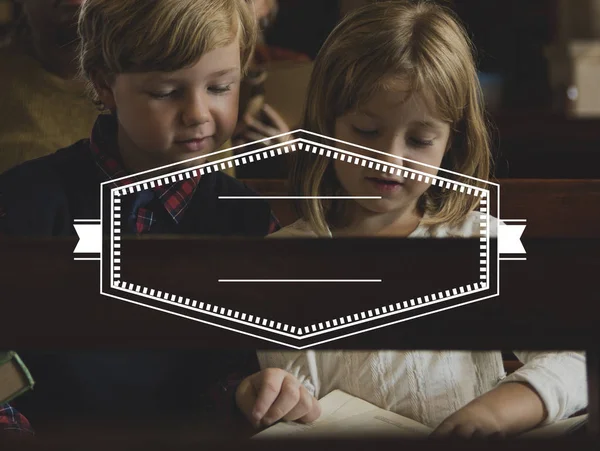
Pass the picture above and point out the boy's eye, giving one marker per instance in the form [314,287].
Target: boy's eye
[220,89]
[416,142]
[365,131]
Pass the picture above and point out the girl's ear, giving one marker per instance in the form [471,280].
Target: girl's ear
[104,90]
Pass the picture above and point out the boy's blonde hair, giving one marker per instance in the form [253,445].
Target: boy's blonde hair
[418,42]
[124,36]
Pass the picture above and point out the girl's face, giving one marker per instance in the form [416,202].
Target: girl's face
[399,124]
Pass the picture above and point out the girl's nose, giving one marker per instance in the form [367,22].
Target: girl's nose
[394,150]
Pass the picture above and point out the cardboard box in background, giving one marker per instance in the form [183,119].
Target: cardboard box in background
[574,70]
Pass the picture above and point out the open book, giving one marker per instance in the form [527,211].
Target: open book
[345,416]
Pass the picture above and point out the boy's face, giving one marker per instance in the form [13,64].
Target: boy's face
[171,117]
[399,125]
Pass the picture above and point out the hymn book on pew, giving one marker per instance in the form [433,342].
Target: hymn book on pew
[346,416]
[15,378]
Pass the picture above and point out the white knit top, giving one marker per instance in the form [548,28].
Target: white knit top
[428,386]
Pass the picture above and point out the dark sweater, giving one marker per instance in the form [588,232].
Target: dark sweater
[43,197]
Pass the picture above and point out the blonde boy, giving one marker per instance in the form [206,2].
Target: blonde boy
[167,75]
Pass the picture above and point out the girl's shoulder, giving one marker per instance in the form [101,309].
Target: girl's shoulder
[469,227]
[299,229]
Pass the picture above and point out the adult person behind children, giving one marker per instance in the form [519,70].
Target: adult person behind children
[42,107]
[168,74]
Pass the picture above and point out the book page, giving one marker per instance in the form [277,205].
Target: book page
[335,406]
[376,423]
[344,415]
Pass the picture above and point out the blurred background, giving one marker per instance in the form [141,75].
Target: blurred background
[539,62]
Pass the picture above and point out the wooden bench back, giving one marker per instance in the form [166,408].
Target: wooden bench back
[553,208]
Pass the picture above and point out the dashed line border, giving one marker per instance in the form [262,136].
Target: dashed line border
[298,332]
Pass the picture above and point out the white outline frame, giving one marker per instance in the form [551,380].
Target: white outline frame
[269,325]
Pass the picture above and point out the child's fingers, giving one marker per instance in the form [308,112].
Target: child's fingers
[245,398]
[276,119]
[250,136]
[288,398]
[268,384]
[260,126]
[464,431]
[443,430]
[303,407]
[314,412]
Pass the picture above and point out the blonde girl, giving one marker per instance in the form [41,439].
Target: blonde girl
[399,77]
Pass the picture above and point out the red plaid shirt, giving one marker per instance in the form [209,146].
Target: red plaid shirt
[174,197]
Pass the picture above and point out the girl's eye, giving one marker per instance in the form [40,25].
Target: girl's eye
[365,132]
[421,142]
[220,89]
[162,95]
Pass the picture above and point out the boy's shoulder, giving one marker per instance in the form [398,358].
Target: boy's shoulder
[50,171]
[237,215]
[226,185]
[34,193]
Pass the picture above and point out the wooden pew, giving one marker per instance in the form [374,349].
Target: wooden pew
[552,207]
[551,314]
[63,309]
[542,145]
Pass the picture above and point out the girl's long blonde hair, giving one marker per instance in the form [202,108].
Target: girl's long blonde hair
[418,41]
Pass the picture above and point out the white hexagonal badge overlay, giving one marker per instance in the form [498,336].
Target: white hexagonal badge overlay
[481,279]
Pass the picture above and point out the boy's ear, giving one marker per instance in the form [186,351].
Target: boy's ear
[104,89]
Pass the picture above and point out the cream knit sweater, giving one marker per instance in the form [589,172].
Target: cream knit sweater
[428,386]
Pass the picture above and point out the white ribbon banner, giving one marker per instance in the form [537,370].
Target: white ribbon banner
[509,238]
[90,238]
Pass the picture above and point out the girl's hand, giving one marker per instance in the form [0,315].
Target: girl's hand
[274,394]
[475,420]
[508,409]
[251,128]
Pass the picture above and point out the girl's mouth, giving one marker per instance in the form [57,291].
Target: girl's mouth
[385,185]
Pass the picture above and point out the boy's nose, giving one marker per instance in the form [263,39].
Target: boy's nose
[195,111]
